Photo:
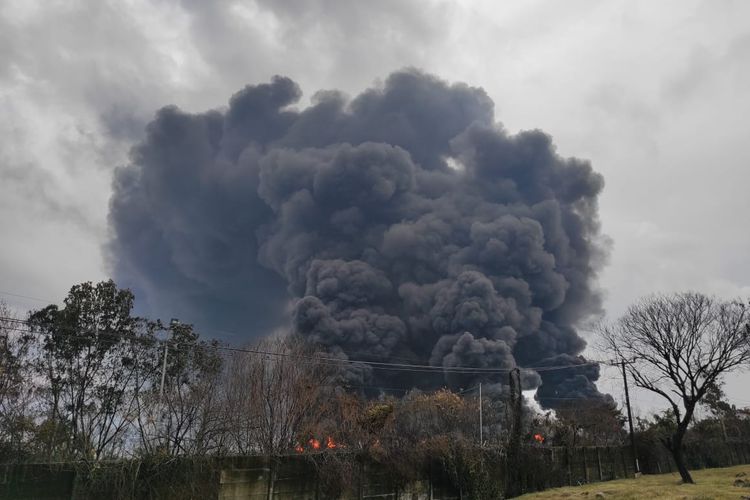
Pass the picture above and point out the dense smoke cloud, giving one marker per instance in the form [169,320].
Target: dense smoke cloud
[404,224]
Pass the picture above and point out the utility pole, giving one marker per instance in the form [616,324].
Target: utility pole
[480,414]
[512,469]
[723,428]
[172,324]
[163,373]
[630,420]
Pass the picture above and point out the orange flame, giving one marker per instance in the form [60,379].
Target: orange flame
[330,443]
[314,443]
[299,448]
[538,438]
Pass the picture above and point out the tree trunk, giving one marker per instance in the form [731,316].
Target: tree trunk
[675,447]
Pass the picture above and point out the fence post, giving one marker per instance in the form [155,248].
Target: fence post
[599,464]
[585,465]
[567,464]
[613,462]
[361,483]
[271,478]
[624,462]
[552,482]
[429,482]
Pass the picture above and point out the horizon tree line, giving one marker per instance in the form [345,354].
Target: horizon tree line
[91,381]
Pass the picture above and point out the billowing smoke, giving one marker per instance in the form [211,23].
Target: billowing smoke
[402,225]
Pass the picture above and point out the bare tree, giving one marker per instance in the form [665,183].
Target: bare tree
[680,345]
[275,398]
[185,418]
[242,418]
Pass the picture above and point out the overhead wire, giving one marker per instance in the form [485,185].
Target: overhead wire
[10,294]
[115,337]
[382,365]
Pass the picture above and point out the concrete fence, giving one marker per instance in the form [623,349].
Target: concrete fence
[297,477]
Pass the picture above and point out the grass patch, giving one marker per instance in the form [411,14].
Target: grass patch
[712,484]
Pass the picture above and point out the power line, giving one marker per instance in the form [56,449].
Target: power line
[384,365]
[464,391]
[115,337]
[2,292]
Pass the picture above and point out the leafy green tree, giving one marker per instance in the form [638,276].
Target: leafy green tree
[732,422]
[90,359]
[16,391]
[589,423]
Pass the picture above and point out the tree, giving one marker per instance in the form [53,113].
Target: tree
[185,418]
[408,437]
[727,417]
[16,419]
[589,422]
[680,345]
[279,396]
[88,361]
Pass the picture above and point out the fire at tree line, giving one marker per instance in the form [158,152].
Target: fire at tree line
[90,382]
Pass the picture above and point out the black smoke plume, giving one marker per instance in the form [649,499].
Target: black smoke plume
[404,225]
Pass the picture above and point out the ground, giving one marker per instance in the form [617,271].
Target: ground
[724,483]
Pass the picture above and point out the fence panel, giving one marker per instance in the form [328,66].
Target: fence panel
[542,467]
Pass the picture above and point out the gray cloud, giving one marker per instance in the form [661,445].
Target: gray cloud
[653,95]
[707,67]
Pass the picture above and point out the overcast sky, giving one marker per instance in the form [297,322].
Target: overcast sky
[653,93]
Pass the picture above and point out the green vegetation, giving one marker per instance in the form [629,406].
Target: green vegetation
[718,484]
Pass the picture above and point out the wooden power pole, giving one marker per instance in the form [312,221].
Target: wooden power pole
[630,420]
[513,466]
